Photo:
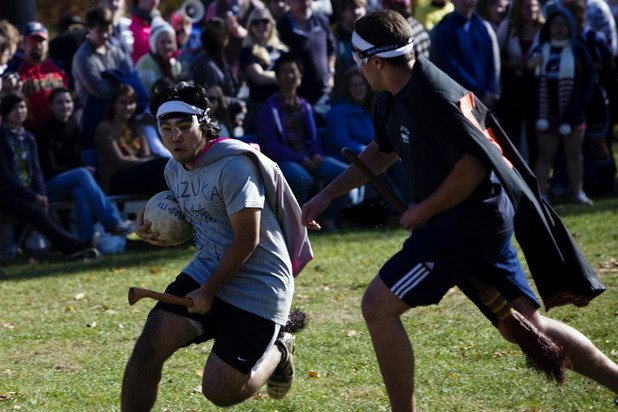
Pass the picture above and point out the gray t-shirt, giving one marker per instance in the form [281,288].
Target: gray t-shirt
[208,195]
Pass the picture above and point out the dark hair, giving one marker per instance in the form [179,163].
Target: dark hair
[351,4]
[343,90]
[56,91]
[214,35]
[193,94]
[383,28]
[9,101]
[578,10]
[99,17]
[288,57]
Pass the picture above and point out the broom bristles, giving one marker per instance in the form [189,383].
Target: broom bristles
[541,352]
[297,320]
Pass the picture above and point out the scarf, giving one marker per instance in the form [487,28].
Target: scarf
[566,77]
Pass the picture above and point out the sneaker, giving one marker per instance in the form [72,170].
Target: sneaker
[89,249]
[124,228]
[580,198]
[282,377]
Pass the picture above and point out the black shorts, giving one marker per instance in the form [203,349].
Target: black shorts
[428,266]
[240,338]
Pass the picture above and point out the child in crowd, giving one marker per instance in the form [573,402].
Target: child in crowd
[22,189]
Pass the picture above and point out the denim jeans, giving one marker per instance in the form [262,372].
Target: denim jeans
[304,182]
[90,202]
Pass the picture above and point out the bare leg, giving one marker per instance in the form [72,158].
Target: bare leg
[585,357]
[382,311]
[225,386]
[163,334]
[574,160]
[548,147]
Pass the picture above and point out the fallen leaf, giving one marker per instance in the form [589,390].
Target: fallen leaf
[338,298]
[8,326]
[80,296]
[352,333]
[92,325]
[69,308]
[197,389]
[199,372]
[154,269]
[116,271]
[313,374]
[7,395]
[452,374]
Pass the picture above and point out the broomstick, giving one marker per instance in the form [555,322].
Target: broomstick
[540,351]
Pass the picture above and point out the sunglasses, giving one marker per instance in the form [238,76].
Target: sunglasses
[257,22]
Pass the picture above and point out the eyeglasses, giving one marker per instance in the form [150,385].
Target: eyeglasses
[257,22]
[184,125]
[358,59]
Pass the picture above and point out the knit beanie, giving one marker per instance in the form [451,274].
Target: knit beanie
[159,26]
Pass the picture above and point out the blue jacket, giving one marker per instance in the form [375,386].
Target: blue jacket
[347,125]
[273,134]
[470,57]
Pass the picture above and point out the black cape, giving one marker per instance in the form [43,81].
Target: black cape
[559,269]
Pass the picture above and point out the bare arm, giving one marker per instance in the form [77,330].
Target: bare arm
[246,228]
[459,184]
[351,178]
[259,76]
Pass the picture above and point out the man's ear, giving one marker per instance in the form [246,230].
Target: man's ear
[378,62]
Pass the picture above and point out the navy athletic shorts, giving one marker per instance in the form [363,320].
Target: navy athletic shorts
[429,264]
[240,338]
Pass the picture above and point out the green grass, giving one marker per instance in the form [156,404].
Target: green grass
[66,332]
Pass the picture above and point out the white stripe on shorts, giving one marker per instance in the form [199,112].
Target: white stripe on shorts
[410,280]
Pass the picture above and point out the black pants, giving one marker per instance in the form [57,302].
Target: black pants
[29,212]
[143,178]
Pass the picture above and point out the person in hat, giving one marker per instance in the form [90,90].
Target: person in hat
[159,61]
[38,74]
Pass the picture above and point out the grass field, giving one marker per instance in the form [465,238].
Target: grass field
[66,332]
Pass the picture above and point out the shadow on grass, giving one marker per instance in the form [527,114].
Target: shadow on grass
[604,204]
[137,254]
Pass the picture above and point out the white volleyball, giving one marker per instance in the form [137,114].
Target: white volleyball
[165,216]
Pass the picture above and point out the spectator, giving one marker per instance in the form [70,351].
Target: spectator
[160,61]
[516,36]
[65,176]
[308,36]
[95,57]
[349,12]
[493,11]
[349,123]
[564,73]
[71,32]
[599,164]
[149,123]
[22,189]
[277,8]
[600,18]
[422,42]
[261,49]
[235,14]
[467,51]
[219,111]
[38,74]
[126,163]
[9,38]
[143,14]
[289,137]
[210,66]
[122,36]
[429,13]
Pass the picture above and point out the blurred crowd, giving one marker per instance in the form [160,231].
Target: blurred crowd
[280,73]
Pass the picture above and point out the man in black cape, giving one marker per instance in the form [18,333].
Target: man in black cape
[470,192]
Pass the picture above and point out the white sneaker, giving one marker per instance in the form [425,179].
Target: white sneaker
[580,198]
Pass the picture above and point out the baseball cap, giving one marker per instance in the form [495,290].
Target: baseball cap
[35,28]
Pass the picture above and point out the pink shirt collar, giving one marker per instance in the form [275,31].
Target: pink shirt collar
[191,165]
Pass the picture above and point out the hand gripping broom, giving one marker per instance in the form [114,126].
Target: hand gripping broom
[540,351]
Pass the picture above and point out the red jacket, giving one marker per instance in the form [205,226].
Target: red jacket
[38,82]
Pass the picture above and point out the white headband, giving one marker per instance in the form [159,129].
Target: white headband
[393,50]
[177,106]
